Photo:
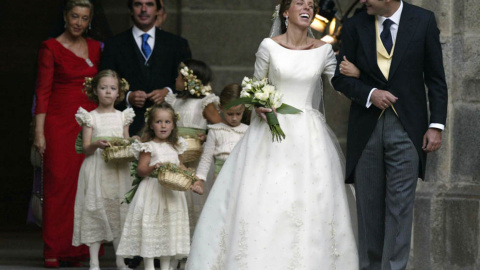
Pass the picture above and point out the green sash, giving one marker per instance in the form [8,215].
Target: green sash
[218,165]
[190,132]
[79,141]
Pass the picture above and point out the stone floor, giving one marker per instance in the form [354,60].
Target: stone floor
[23,250]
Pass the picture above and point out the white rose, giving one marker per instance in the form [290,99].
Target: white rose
[244,94]
[256,84]
[261,96]
[276,100]
[247,86]
[269,89]
[245,81]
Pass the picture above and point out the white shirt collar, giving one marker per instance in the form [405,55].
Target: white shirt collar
[138,33]
[395,17]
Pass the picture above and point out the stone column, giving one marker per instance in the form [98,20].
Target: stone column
[447,210]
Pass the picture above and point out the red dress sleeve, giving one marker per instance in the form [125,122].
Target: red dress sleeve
[45,73]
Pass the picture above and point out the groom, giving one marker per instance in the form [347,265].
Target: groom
[397,49]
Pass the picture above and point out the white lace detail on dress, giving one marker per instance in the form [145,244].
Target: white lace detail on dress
[155,235]
[128,115]
[335,253]
[212,98]
[138,147]
[83,117]
[98,220]
[223,250]
[297,258]
[243,246]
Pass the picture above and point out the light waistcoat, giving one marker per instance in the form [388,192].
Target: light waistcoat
[384,60]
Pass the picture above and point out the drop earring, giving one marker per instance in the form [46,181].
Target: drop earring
[286,21]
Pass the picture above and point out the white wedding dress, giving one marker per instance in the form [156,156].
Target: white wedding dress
[281,205]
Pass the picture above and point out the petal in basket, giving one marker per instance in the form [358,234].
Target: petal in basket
[173,177]
[193,151]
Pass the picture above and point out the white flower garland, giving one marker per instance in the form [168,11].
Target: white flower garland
[192,84]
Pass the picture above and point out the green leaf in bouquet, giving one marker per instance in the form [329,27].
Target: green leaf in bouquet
[287,109]
[135,183]
[277,132]
[238,101]
[129,195]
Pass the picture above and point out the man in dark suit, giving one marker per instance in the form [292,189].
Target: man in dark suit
[146,57]
[396,47]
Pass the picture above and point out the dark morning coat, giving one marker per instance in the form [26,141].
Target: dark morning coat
[122,54]
[417,61]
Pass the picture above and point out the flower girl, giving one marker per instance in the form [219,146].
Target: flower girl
[197,106]
[99,215]
[195,102]
[222,137]
[157,221]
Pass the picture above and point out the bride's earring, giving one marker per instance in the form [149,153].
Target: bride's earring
[286,21]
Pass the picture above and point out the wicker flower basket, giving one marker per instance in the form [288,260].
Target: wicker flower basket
[118,151]
[193,151]
[173,177]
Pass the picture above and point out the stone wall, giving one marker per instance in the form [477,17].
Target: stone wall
[447,210]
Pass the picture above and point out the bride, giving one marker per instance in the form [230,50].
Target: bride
[282,205]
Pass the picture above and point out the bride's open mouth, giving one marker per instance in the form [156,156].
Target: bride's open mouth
[305,16]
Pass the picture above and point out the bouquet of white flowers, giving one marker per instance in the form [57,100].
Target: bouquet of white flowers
[261,94]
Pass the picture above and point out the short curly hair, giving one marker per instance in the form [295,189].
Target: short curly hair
[285,5]
[91,85]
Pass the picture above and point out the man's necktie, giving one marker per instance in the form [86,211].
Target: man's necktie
[145,47]
[386,35]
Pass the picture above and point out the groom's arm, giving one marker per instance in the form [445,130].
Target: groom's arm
[434,74]
[353,88]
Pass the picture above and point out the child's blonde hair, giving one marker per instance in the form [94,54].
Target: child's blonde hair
[148,134]
[90,85]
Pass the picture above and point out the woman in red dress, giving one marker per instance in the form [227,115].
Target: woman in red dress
[63,64]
